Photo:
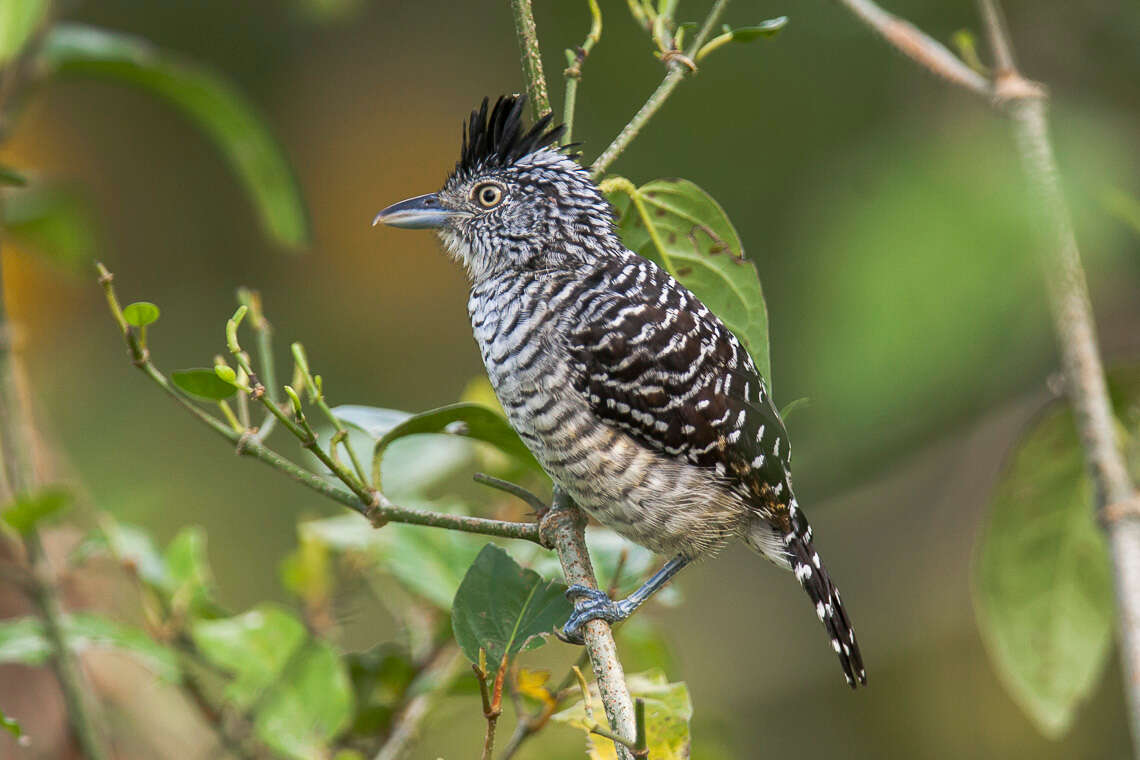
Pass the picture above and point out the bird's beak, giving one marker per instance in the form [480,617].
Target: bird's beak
[420,213]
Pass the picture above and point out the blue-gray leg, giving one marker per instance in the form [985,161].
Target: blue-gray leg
[592,604]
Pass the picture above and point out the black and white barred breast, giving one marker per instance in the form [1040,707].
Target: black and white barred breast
[638,401]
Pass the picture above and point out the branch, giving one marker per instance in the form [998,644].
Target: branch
[531,58]
[17,449]
[373,506]
[1080,356]
[573,72]
[919,47]
[1024,101]
[565,526]
[678,66]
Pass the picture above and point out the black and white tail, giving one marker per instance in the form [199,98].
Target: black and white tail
[813,576]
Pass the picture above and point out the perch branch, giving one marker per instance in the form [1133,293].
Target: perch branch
[565,526]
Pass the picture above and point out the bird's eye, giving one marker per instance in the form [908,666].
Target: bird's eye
[488,195]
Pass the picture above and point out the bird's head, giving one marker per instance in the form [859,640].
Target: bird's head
[514,201]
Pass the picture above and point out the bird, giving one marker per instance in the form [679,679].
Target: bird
[631,393]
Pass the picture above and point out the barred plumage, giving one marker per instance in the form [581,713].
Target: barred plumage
[634,397]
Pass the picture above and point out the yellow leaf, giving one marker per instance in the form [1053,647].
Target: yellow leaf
[532,683]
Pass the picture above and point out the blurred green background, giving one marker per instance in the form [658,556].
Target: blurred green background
[884,210]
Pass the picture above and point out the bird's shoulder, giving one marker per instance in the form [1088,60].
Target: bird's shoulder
[655,362]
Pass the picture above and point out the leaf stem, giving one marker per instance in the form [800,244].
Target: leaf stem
[531,58]
[677,69]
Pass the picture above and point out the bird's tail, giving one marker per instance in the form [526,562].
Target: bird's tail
[798,554]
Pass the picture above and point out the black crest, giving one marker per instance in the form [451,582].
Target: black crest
[498,139]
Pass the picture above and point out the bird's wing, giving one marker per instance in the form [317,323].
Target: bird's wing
[653,361]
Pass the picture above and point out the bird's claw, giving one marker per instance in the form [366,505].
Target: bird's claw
[589,604]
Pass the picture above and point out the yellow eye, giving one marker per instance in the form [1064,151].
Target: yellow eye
[488,195]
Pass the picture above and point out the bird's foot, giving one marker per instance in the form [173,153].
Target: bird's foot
[590,604]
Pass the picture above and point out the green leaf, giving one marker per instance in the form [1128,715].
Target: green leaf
[428,563]
[1123,206]
[140,313]
[309,707]
[55,222]
[210,101]
[128,544]
[9,176]
[12,726]
[90,630]
[188,578]
[18,21]
[22,640]
[1042,584]
[504,609]
[668,710]
[675,224]
[307,571]
[769,28]
[467,420]
[299,686]
[27,511]
[203,383]
[411,466]
[253,646]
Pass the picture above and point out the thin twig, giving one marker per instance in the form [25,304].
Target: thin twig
[1068,297]
[994,21]
[919,47]
[565,528]
[317,398]
[264,334]
[514,489]
[677,71]
[247,445]
[573,72]
[531,57]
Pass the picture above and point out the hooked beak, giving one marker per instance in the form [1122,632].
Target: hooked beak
[420,213]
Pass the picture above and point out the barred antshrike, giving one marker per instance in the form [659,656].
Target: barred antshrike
[635,398]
